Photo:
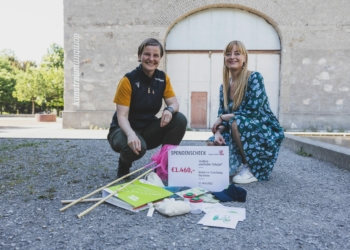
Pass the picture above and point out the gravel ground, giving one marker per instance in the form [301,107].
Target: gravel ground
[305,205]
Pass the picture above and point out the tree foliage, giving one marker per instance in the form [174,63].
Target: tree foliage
[10,56]
[42,85]
[7,84]
[30,86]
[54,57]
[10,67]
[54,84]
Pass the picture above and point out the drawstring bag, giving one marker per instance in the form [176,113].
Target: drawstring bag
[172,207]
[161,157]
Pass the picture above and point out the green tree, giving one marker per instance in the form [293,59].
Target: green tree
[53,81]
[9,55]
[41,85]
[7,85]
[53,75]
[30,87]
[27,64]
[15,63]
[54,57]
[10,66]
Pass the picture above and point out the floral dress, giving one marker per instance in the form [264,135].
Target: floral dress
[260,132]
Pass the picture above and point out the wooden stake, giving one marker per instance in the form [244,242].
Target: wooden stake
[98,190]
[110,195]
[86,200]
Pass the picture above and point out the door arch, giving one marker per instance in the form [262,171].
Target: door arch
[194,55]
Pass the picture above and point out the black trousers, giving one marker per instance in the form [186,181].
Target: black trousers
[151,137]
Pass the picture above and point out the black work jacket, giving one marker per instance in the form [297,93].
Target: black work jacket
[146,98]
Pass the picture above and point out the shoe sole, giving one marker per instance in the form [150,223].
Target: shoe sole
[245,181]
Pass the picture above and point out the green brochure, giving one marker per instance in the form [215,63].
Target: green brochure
[138,194]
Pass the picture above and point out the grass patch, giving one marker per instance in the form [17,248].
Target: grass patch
[20,167]
[51,190]
[31,189]
[19,146]
[61,171]
[34,172]
[4,159]
[16,179]
[49,194]
[302,152]
[105,176]
[74,181]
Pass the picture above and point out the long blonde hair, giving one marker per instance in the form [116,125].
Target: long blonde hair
[242,79]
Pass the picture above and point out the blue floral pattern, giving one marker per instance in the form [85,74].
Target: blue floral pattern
[261,133]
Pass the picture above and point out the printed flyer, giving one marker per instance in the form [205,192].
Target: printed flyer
[199,166]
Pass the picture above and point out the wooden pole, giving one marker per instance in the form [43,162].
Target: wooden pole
[86,200]
[110,195]
[98,190]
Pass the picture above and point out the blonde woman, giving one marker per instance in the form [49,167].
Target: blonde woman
[245,121]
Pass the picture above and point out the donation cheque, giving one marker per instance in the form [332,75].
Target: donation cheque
[199,166]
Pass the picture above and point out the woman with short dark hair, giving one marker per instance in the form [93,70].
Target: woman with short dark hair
[139,95]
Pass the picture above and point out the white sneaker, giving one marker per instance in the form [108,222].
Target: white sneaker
[244,176]
[239,169]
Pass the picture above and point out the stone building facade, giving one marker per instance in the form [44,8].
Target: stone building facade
[101,39]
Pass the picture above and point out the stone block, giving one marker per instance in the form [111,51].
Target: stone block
[45,117]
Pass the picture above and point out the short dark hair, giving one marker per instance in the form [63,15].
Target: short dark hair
[152,42]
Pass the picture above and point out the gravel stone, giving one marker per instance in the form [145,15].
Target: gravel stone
[304,205]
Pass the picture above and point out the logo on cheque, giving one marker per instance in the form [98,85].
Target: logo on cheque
[221,152]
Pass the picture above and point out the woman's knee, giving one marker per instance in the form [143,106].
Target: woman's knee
[180,120]
[128,155]
[210,143]
[116,139]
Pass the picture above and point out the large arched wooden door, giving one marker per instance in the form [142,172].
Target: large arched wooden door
[194,57]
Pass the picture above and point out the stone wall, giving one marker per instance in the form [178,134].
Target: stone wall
[101,40]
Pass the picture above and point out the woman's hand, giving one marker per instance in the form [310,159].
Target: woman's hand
[166,118]
[219,139]
[218,122]
[134,143]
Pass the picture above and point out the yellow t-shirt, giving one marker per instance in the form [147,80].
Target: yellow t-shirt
[123,93]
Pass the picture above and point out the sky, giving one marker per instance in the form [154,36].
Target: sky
[29,27]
